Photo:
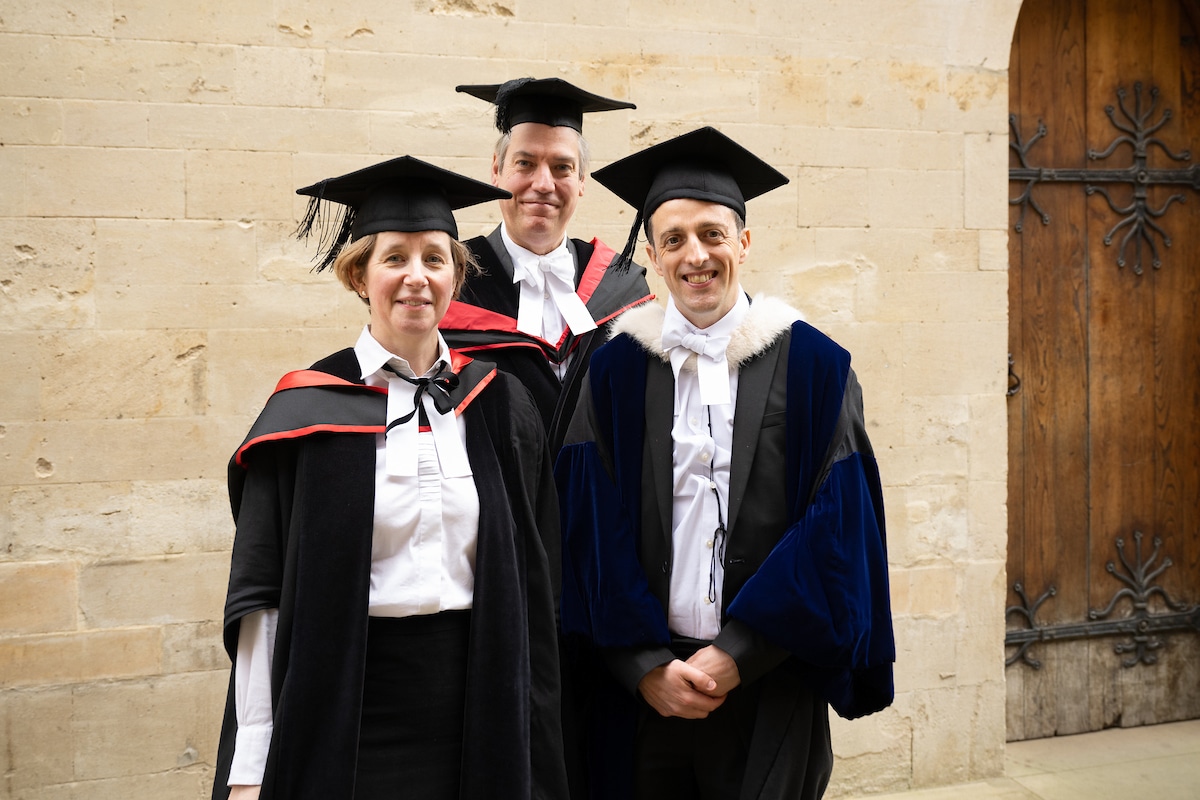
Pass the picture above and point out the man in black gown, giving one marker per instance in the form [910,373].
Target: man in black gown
[544,301]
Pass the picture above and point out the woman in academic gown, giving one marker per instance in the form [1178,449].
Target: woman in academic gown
[391,599]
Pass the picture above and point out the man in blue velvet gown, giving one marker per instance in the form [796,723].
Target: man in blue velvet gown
[724,551]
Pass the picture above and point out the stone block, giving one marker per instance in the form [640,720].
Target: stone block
[984,36]
[215,306]
[838,146]
[941,745]
[981,655]
[31,121]
[72,521]
[872,754]
[168,589]
[955,736]
[238,391]
[239,185]
[937,297]
[251,22]
[796,93]
[80,182]
[921,467]
[58,17]
[37,598]
[829,291]
[280,76]
[39,743]
[927,652]
[15,201]
[192,782]
[79,657]
[910,250]
[393,81]
[129,374]
[993,249]
[193,647]
[87,68]
[19,366]
[92,123]
[181,516]
[833,198]
[280,257]
[171,255]
[914,199]
[934,591]
[985,180]
[258,128]
[938,420]
[989,438]
[147,726]
[46,273]
[719,16]
[934,520]
[957,358]
[988,519]
[107,450]
[697,95]
[574,13]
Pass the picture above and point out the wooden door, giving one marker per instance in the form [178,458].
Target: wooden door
[1104,333]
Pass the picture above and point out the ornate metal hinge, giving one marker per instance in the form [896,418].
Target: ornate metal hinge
[1138,216]
[1141,626]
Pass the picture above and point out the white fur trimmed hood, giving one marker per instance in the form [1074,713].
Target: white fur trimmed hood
[769,317]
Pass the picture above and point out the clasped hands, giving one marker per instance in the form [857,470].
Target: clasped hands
[691,689]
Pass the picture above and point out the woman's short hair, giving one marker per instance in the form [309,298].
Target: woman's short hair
[351,262]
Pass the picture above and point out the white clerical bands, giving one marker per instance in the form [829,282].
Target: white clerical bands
[712,368]
[553,274]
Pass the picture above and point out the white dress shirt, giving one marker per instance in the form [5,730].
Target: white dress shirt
[422,548]
[703,443]
[547,305]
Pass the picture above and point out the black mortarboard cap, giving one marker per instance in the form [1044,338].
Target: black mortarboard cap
[402,194]
[550,101]
[704,164]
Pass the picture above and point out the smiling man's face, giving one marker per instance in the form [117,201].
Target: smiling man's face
[542,170]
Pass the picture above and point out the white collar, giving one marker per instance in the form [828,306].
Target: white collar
[372,356]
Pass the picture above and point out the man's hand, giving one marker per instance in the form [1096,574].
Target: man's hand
[244,792]
[677,689]
[718,665]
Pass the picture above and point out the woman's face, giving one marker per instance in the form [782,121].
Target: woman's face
[409,281]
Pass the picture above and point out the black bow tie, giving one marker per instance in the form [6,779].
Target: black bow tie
[444,381]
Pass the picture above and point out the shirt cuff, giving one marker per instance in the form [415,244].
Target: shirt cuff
[250,756]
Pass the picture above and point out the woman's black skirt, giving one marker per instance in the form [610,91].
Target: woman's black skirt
[410,740]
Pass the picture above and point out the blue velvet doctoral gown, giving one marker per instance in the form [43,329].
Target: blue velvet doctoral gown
[806,587]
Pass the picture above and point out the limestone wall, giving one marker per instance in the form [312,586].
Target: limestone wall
[150,296]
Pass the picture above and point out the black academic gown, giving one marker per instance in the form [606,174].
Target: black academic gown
[483,322]
[806,610]
[302,491]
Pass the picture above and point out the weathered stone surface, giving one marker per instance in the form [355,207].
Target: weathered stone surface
[35,598]
[40,744]
[72,658]
[31,121]
[79,182]
[47,272]
[169,366]
[193,647]
[149,726]
[187,588]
